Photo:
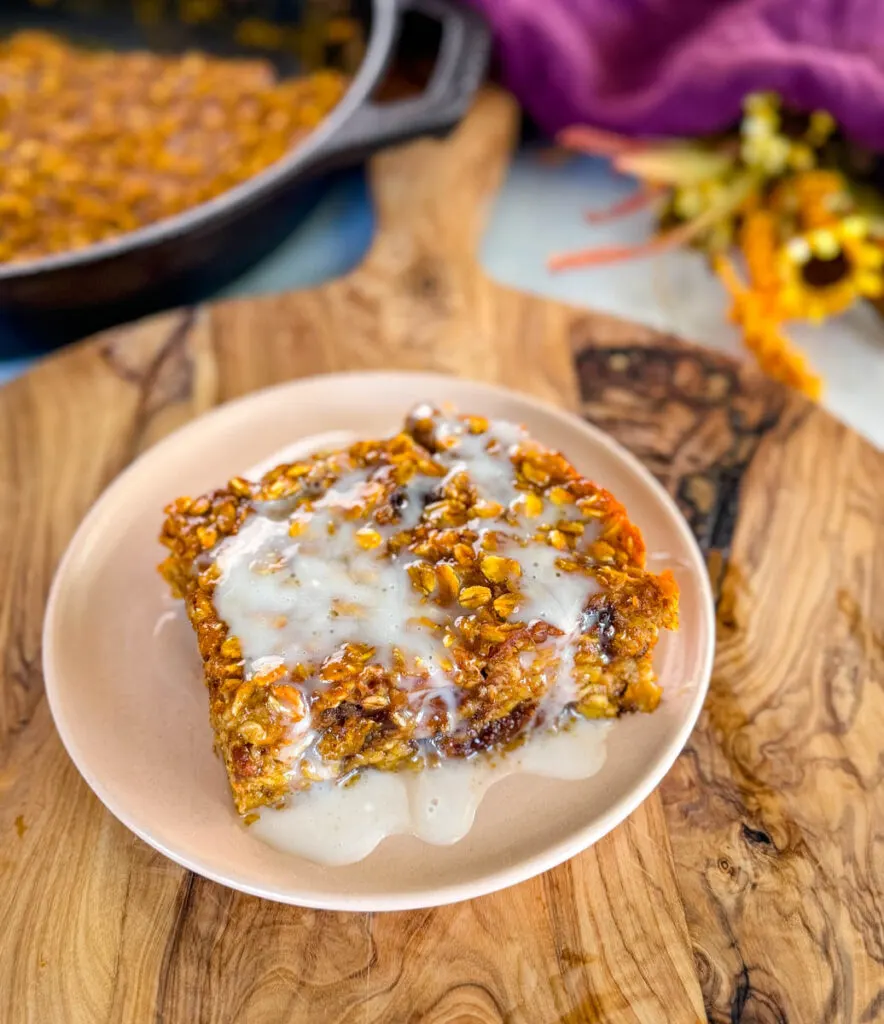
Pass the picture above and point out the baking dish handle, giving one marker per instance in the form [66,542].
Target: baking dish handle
[459,69]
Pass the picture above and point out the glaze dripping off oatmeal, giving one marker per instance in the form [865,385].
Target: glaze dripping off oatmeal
[438,598]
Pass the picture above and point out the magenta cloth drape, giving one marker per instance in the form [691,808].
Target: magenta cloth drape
[682,67]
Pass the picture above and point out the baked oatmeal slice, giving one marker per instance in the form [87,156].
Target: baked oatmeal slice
[435,594]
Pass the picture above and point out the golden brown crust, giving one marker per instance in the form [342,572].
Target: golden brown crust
[97,143]
[360,712]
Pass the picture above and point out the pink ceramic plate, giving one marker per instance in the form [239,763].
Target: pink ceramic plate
[124,683]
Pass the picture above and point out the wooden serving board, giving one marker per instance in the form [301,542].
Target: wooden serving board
[748,888]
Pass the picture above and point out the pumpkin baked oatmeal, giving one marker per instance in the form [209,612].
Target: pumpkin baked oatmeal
[435,594]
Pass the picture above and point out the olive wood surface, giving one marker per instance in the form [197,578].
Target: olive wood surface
[747,888]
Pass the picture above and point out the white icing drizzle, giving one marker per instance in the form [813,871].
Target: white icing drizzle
[296,600]
[302,598]
[335,825]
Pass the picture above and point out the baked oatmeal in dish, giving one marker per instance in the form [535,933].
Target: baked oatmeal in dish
[436,594]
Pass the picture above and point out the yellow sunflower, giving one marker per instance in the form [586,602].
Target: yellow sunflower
[823,271]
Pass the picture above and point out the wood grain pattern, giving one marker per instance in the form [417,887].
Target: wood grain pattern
[775,808]
[747,889]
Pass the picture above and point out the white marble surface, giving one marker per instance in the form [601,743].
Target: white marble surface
[540,211]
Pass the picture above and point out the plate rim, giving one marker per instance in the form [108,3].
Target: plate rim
[455,892]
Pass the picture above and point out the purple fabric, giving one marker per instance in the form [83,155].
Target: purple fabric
[682,67]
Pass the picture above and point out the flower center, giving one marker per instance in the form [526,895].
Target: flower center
[819,273]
